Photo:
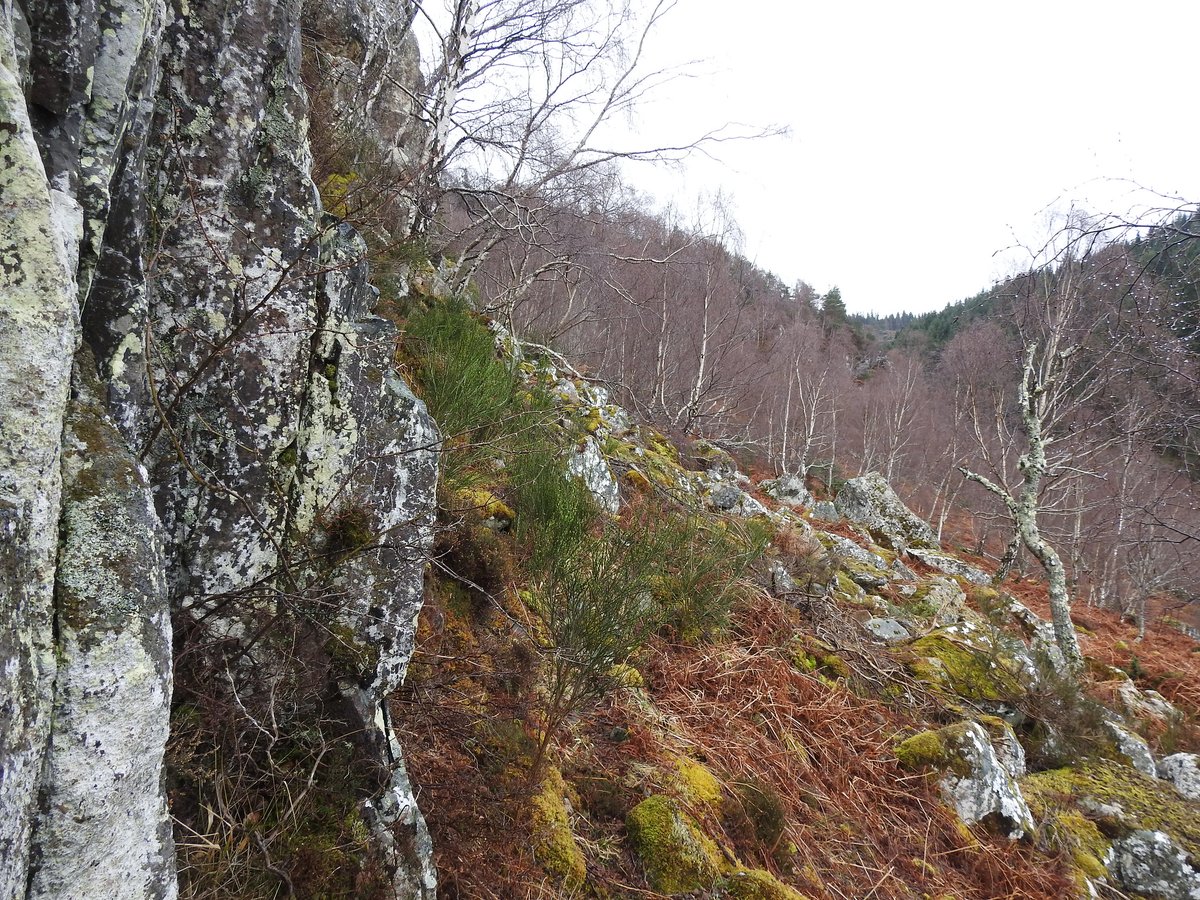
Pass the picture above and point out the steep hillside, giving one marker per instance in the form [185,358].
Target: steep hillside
[824,704]
[320,579]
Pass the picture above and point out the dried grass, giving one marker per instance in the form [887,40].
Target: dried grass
[857,820]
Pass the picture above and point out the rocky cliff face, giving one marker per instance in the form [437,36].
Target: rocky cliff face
[237,457]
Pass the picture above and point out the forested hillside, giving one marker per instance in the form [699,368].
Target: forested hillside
[700,341]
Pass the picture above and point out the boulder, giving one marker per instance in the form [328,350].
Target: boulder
[976,781]
[867,569]
[729,498]
[886,629]
[1182,770]
[986,791]
[1133,747]
[789,490]
[869,501]
[676,855]
[589,465]
[1150,863]
[945,598]
[950,565]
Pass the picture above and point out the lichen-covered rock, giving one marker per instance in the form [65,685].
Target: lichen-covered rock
[887,629]
[363,490]
[1151,864]
[40,229]
[1132,747]
[1120,798]
[870,502]
[982,789]
[867,569]
[725,496]
[1145,704]
[165,188]
[589,465]
[974,663]
[943,598]
[103,828]
[1182,770]
[677,856]
[1006,744]
[951,565]
[826,510]
[789,490]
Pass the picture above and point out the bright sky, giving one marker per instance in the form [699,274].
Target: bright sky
[925,136]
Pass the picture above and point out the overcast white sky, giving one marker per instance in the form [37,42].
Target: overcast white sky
[926,136]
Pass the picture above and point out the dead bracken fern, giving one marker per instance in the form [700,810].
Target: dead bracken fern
[860,826]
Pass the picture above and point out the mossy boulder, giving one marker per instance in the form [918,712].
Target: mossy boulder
[554,844]
[924,749]
[676,855]
[964,661]
[974,778]
[757,884]
[1077,836]
[696,784]
[1119,799]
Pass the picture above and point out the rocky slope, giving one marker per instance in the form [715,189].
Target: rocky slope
[217,504]
[855,641]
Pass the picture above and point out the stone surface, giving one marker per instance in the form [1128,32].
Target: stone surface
[951,565]
[103,828]
[1150,863]
[1182,770]
[870,502]
[588,464]
[164,186]
[1133,747]
[946,599]
[40,229]
[983,789]
[887,629]
[727,497]
[789,490]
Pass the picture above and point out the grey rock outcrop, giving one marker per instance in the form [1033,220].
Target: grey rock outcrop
[589,465]
[951,565]
[112,693]
[1133,747]
[1151,864]
[156,174]
[983,788]
[789,490]
[1182,770]
[870,502]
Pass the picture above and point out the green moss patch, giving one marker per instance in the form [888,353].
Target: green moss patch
[756,884]
[924,749]
[677,856]
[966,668]
[696,784]
[554,844]
[1144,802]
